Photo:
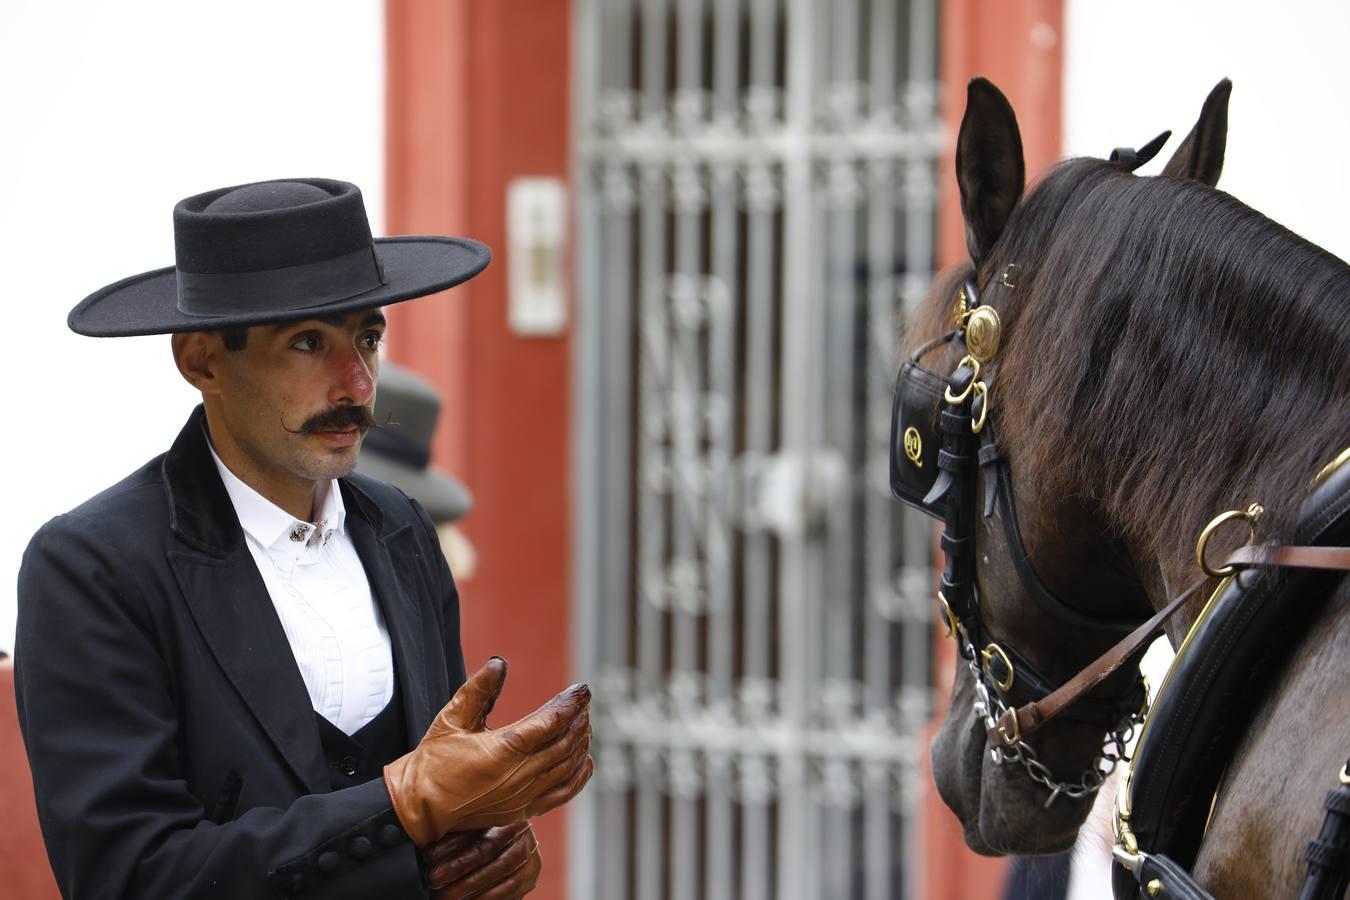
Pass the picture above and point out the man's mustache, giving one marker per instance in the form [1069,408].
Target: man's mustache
[339,418]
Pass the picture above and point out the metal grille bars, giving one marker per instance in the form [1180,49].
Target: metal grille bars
[755,200]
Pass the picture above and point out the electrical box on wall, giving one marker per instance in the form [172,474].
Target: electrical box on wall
[536,233]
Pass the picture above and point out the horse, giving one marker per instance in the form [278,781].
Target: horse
[1160,353]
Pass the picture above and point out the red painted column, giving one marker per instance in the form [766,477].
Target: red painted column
[1018,45]
[24,870]
[478,94]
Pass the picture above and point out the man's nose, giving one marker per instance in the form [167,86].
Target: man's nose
[354,379]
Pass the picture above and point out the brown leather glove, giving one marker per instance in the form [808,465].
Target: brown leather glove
[496,864]
[463,776]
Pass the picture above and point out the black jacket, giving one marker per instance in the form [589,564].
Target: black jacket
[174,749]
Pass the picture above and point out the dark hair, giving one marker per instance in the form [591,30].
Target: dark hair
[1168,351]
[234,339]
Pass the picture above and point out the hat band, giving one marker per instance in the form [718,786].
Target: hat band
[397,447]
[274,290]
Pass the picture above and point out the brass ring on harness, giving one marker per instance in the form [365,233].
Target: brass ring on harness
[1251,514]
[948,615]
[1010,739]
[981,391]
[986,655]
[957,400]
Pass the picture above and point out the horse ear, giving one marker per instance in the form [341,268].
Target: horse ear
[989,166]
[1200,156]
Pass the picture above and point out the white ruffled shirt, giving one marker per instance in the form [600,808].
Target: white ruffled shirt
[323,598]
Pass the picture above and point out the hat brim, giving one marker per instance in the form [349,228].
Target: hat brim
[444,498]
[148,303]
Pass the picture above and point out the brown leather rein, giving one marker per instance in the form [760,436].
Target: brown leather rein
[1017,723]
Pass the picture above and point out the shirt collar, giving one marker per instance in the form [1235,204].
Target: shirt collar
[272,526]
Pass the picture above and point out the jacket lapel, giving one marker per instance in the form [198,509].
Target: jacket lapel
[231,606]
[235,615]
[388,562]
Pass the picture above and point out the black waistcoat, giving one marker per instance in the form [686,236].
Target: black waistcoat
[360,757]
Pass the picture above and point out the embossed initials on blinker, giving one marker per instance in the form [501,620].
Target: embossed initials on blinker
[914,446]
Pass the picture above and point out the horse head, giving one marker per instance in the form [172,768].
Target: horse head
[1044,578]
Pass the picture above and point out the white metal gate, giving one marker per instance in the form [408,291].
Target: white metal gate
[755,200]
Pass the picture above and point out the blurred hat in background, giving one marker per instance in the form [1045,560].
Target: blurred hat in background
[399,452]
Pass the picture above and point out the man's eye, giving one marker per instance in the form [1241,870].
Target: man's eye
[307,344]
[372,340]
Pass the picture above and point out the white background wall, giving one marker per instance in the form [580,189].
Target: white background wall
[109,114]
[1134,69]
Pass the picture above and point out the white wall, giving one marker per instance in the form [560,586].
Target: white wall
[1132,70]
[111,113]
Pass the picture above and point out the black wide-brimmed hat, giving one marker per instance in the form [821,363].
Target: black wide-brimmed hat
[399,452]
[275,251]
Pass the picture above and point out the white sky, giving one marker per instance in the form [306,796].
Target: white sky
[111,113]
[1133,70]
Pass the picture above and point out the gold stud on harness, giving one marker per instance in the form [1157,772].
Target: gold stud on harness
[986,656]
[982,393]
[948,615]
[1251,514]
[983,330]
[958,399]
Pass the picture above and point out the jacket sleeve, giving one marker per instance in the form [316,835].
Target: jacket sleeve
[97,712]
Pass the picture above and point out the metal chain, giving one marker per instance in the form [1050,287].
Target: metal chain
[1115,750]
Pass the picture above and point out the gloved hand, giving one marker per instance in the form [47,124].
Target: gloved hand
[485,865]
[463,776]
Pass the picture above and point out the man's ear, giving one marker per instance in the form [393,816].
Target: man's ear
[989,166]
[1200,156]
[197,355]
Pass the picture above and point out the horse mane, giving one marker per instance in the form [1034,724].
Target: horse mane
[1168,352]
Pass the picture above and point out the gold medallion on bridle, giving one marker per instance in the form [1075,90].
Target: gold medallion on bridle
[982,333]
[914,446]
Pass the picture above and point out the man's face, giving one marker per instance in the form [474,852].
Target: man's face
[296,401]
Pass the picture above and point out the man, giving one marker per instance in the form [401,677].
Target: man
[233,666]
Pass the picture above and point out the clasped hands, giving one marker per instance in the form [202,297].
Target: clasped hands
[466,793]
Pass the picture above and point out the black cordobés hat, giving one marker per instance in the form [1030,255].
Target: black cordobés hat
[275,251]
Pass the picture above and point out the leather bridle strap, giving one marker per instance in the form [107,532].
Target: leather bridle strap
[1333,558]
[1016,724]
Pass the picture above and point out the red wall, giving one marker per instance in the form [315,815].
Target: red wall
[478,93]
[24,871]
[1017,44]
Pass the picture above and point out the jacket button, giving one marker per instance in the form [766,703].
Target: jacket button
[347,766]
[328,862]
[389,835]
[359,847]
[295,883]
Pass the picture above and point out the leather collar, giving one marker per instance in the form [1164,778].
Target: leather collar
[1240,643]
